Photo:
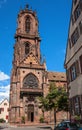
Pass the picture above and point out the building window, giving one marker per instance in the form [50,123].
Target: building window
[30,81]
[5,104]
[81,63]
[77,67]
[70,44]
[75,36]
[6,116]
[8,109]
[80,2]
[77,12]
[76,105]
[2,109]
[73,72]
[72,18]
[27,24]
[27,48]
[68,75]
[80,27]
[75,1]
[70,103]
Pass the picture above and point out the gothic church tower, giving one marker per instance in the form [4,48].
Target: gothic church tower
[28,78]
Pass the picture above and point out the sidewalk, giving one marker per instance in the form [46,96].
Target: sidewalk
[46,125]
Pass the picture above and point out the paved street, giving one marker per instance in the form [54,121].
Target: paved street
[25,128]
[7,127]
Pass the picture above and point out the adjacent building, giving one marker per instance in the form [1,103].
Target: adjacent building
[4,110]
[58,79]
[73,59]
[29,78]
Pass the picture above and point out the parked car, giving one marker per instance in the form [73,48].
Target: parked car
[67,125]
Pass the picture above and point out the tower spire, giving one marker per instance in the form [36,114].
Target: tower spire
[27,6]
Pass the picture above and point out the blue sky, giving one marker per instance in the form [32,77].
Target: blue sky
[53,16]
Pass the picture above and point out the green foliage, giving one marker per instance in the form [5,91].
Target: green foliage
[2,120]
[77,117]
[63,101]
[43,103]
[56,99]
[41,119]
[23,119]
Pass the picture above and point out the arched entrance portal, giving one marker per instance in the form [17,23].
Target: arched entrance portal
[31,113]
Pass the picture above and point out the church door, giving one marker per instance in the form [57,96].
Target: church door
[31,113]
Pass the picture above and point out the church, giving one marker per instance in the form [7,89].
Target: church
[29,77]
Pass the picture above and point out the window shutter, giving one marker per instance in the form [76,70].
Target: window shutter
[72,18]
[77,67]
[79,102]
[80,27]
[70,105]
[81,5]
[73,104]
[75,1]
[68,76]
[81,63]
[70,44]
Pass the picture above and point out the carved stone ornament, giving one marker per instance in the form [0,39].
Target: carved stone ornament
[30,81]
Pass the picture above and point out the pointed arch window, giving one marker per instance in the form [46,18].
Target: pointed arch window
[27,48]
[30,81]
[27,24]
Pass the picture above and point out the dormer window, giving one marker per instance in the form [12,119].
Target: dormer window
[27,24]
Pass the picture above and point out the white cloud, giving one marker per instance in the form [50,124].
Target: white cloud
[3,76]
[4,86]
[4,92]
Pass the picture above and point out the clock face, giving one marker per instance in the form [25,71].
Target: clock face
[30,81]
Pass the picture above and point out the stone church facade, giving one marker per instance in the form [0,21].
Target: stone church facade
[29,77]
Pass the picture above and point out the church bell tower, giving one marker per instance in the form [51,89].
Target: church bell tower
[28,80]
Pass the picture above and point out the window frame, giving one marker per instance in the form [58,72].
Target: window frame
[77,110]
[27,24]
[80,59]
[77,12]
[27,48]
[75,1]
[30,81]
[73,72]
[75,36]
[80,26]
